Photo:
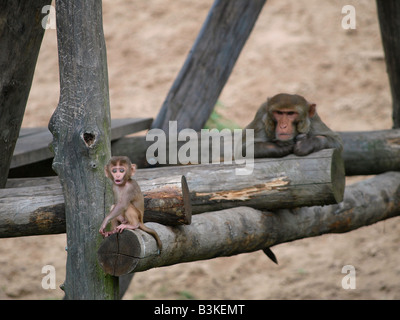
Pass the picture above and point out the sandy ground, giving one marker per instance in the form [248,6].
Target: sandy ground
[297,47]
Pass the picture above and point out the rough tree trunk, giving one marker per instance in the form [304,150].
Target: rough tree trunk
[195,91]
[239,230]
[81,143]
[389,17]
[21,34]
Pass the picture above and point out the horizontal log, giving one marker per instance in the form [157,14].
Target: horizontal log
[243,229]
[39,209]
[167,200]
[32,211]
[292,181]
[364,152]
[371,152]
[170,199]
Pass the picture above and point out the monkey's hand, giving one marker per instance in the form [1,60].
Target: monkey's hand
[307,144]
[102,228]
[102,232]
[272,149]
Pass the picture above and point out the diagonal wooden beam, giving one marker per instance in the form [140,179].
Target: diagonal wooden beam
[209,64]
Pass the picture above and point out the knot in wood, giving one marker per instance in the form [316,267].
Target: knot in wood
[89,138]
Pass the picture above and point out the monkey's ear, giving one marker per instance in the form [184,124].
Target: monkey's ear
[312,110]
[133,169]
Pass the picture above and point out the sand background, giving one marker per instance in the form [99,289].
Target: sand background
[296,47]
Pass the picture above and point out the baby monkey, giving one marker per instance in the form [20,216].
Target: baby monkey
[128,209]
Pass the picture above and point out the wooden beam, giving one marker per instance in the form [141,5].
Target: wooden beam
[271,184]
[389,17]
[81,142]
[364,152]
[195,91]
[33,143]
[371,152]
[38,208]
[240,230]
[170,199]
[21,37]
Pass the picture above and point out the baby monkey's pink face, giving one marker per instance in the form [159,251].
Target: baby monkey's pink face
[118,173]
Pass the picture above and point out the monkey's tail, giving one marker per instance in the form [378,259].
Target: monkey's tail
[270,255]
[154,234]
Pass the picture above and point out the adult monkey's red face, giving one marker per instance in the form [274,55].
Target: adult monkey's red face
[290,114]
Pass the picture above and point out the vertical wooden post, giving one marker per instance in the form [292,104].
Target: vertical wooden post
[195,91]
[81,143]
[389,17]
[21,35]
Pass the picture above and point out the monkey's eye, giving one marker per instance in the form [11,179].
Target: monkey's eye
[114,170]
[122,170]
[291,113]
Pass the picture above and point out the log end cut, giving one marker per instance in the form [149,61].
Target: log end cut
[116,257]
[167,200]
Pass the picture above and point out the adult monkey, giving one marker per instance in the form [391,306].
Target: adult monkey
[287,124]
[128,209]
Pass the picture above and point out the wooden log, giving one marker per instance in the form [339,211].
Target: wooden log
[38,207]
[195,91]
[371,152]
[21,37]
[287,182]
[167,200]
[170,199]
[32,211]
[240,230]
[81,142]
[389,15]
[33,144]
[364,152]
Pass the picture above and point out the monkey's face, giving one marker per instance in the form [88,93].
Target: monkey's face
[285,123]
[119,174]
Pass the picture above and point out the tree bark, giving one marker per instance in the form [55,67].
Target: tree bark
[195,91]
[239,230]
[21,36]
[81,143]
[389,17]
[371,152]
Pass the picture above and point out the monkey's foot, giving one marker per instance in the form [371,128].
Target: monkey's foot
[124,226]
